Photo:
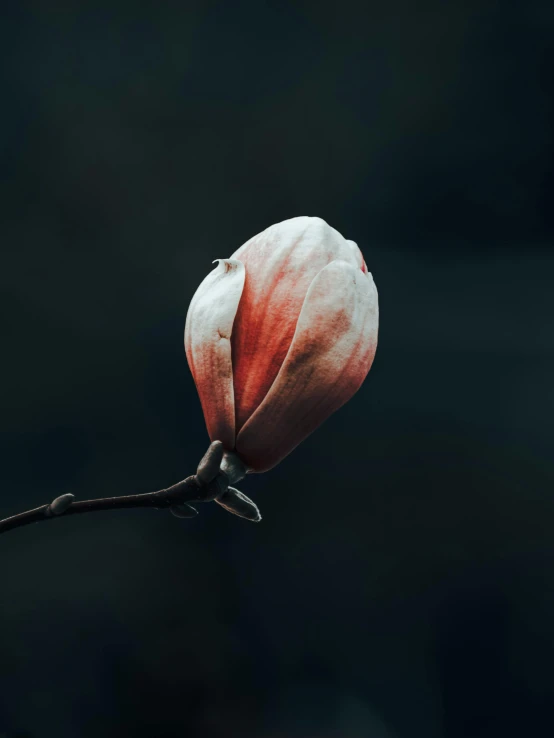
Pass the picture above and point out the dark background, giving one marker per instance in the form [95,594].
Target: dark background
[401,583]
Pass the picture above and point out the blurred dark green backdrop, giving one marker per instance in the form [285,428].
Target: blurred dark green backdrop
[401,584]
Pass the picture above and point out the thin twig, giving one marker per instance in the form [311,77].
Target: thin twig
[209,483]
[180,493]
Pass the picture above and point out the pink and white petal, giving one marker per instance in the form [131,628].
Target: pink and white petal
[281,263]
[316,232]
[208,329]
[331,353]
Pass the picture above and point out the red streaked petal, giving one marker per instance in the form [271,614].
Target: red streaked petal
[281,263]
[330,355]
[208,330]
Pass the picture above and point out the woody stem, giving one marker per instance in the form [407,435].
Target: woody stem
[215,471]
[185,491]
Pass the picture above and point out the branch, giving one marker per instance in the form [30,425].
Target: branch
[209,483]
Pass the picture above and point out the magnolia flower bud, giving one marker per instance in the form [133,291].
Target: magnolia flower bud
[279,336]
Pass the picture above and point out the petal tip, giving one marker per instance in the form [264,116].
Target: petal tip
[228,264]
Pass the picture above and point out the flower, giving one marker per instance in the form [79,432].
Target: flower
[279,336]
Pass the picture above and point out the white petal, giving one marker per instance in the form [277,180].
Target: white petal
[208,331]
[305,234]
